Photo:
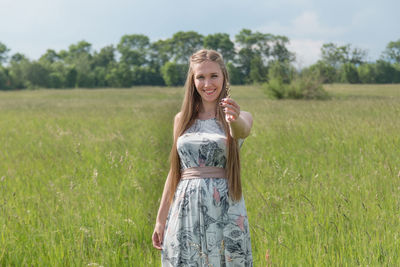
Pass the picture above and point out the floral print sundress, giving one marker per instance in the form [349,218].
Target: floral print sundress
[204,226]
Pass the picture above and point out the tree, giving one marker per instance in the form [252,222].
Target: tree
[79,58]
[105,57]
[337,55]
[160,52]
[4,79]
[18,64]
[235,75]
[37,75]
[385,72]
[348,73]
[133,49]
[279,51]
[3,53]
[184,44]
[367,73]
[257,42]
[258,72]
[222,43]
[81,49]
[120,75]
[173,73]
[321,71]
[257,50]
[392,51]
[50,56]
[281,71]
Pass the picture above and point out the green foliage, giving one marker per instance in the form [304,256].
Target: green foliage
[255,57]
[258,72]
[222,43]
[3,53]
[367,73]
[133,49]
[173,73]
[282,71]
[4,79]
[392,51]
[184,44]
[385,72]
[120,75]
[235,75]
[299,88]
[275,88]
[335,55]
[348,73]
[321,71]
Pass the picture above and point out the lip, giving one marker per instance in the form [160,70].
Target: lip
[209,92]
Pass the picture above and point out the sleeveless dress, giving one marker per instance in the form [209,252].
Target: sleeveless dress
[204,227]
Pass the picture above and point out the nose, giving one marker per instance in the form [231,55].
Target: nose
[207,82]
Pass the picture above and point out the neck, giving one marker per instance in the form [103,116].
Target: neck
[208,109]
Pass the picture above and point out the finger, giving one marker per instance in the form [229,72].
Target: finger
[232,116]
[231,107]
[160,237]
[156,241]
[230,101]
[231,112]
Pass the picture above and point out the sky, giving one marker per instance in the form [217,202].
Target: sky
[32,27]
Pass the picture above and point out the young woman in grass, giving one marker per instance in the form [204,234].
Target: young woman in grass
[202,219]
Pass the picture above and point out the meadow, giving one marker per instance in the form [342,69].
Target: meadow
[82,172]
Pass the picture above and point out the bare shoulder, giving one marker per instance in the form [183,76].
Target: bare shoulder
[176,122]
[177,117]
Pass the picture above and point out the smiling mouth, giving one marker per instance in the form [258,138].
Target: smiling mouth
[209,92]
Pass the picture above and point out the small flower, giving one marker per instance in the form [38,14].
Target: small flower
[216,195]
[84,229]
[267,258]
[240,222]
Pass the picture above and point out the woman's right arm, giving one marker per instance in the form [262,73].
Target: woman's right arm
[162,214]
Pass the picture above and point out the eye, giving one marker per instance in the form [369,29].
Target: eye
[214,76]
[200,77]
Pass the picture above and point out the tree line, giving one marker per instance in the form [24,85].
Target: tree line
[253,57]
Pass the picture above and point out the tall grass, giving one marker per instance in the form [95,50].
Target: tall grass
[82,172]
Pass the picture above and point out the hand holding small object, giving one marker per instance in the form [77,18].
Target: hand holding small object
[230,108]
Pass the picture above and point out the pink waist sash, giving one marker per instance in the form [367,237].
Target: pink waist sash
[203,172]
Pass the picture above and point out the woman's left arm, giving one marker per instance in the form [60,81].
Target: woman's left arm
[240,122]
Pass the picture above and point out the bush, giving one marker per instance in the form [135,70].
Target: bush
[173,73]
[282,71]
[321,71]
[299,88]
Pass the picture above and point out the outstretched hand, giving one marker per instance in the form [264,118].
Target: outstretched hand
[230,108]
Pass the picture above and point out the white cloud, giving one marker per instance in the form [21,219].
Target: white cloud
[306,34]
[303,26]
[308,24]
[307,51]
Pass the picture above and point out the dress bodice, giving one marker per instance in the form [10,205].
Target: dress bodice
[203,145]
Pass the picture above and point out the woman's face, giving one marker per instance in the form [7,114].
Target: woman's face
[208,80]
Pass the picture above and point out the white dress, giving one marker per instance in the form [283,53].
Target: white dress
[204,226]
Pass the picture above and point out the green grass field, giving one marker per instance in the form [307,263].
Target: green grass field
[82,172]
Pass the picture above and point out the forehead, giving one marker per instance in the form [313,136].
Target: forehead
[206,67]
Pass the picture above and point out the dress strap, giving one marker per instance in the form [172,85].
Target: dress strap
[203,172]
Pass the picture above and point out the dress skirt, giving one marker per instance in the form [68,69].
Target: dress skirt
[205,227]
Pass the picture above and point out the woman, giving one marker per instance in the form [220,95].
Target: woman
[202,219]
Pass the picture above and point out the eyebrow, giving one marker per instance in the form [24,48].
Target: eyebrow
[210,73]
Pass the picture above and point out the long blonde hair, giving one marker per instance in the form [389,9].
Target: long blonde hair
[189,112]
